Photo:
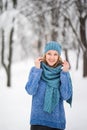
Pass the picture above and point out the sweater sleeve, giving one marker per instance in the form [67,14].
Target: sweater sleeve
[33,80]
[66,86]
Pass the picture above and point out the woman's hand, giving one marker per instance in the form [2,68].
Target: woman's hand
[66,66]
[38,61]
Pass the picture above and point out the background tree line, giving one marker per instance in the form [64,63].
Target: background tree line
[62,20]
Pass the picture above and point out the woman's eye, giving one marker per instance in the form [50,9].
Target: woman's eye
[55,54]
[49,53]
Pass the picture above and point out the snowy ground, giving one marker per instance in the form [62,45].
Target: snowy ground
[15,103]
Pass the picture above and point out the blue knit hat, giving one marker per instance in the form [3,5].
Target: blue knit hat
[52,45]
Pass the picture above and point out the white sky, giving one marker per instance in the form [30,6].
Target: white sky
[15,103]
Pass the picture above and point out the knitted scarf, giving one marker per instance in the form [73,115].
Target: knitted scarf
[52,77]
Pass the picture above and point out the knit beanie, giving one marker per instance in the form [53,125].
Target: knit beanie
[53,45]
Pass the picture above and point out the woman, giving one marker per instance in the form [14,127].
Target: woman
[49,84]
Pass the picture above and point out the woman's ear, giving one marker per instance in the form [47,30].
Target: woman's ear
[44,58]
[60,60]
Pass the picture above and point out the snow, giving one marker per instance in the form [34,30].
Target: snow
[15,103]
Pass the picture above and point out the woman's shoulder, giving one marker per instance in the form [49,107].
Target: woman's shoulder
[34,69]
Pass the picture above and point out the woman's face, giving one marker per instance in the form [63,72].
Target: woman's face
[51,57]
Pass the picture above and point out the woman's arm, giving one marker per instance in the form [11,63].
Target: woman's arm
[34,77]
[66,85]
[33,80]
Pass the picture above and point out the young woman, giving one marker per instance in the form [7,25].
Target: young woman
[50,84]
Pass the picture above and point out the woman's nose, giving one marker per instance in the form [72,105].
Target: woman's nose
[52,57]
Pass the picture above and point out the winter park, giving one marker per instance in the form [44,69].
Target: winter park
[25,28]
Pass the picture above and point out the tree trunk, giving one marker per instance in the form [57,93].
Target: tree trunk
[55,15]
[7,67]
[39,44]
[54,35]
[14,3]
[9,76]
[83,39]
[1,6]
[85,64]
[10,58]
[77,61]
[66,55]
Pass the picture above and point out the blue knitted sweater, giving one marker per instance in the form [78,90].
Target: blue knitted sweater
[36,87]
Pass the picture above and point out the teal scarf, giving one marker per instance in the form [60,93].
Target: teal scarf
[52,77]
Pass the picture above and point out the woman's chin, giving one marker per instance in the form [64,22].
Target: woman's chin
[51,64]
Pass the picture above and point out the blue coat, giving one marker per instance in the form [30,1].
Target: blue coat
[36,87]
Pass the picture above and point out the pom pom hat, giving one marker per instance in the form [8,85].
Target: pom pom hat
[53,46]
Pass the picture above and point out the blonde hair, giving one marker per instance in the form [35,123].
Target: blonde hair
[59,61]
